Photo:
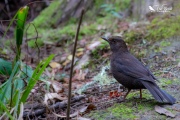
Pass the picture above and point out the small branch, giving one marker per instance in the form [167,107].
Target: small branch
[58,105]
[72,65]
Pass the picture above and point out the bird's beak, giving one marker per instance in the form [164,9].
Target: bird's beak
[105,38]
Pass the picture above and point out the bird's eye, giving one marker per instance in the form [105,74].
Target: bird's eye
[113,41]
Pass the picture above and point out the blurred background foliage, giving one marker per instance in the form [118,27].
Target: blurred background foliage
[52,24]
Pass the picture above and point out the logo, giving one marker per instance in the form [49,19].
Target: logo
[160,8]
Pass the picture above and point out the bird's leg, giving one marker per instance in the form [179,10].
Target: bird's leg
[127,93]
[140,93]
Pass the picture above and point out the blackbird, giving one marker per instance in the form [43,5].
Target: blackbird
[131,73]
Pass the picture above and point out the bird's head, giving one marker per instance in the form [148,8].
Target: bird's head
[116,43]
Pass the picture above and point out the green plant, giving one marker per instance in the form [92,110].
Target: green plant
[163,27]
[109,8]
[15,91]
[115,8]
[5,67]
[21,19]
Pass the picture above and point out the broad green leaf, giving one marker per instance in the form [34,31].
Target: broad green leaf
[6,87]
[16,80]
[5,67]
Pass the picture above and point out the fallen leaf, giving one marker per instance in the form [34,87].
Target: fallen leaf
[80,49]
[57,86]
[63,58]
[66,62]
[79,75]
[83,61]
[69,57]
[51,96]
[164,111]
[82,118]
[79,53]
[94,45]
[88,108]
[111,94]
[55,65]
[115,93]
[71,115]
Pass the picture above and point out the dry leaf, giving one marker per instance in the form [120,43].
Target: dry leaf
[66,62]
[57,86]
[82,118]
[79,75]
[63,58]
[55,65]
[80,49]
[69,57]
[71,115]
[114,94]
[51,96]
[164,111]
[83,61]
[88,108]
[79,53]
[94,45]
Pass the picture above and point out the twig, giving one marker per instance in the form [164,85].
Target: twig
[37,36]
[58,105]
[72,65]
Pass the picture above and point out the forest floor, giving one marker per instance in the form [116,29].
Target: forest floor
[155,44]
[102,95]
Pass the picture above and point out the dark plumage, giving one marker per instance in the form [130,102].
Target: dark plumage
[131,73]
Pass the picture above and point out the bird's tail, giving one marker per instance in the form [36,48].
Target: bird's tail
[158,94]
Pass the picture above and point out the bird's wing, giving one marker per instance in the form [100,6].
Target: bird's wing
[131,66]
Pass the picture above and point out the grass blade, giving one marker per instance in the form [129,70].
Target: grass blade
[35,77]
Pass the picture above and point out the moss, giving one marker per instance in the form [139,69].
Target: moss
[130,36]
[133,35]
[67,30]
[129,110]
[33,44]
[136,93]
[118,111]
[165,82]
[122,111]
[46,18]
[52,35]
[163,27]
[42,23]
[165,43]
